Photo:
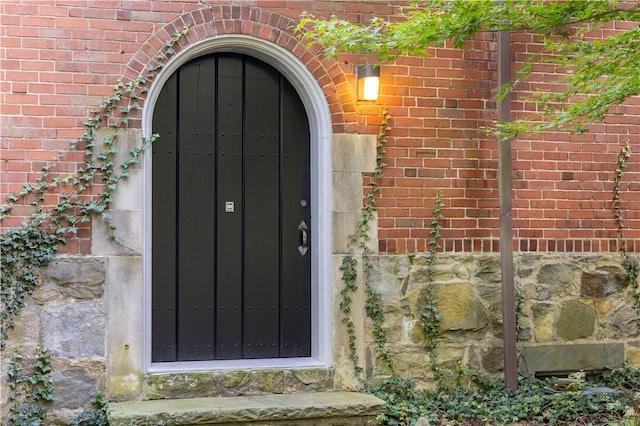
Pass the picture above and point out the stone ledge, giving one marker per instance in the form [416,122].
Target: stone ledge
[558,359]
[322,408]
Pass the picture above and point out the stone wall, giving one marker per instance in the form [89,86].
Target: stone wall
[66,315]
[579,301]
[577,312]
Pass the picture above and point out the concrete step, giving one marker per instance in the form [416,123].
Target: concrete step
[318,409]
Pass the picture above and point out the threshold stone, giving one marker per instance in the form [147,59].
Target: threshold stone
[320,408]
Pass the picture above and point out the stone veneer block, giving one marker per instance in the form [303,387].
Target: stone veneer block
[129,195]
[74,329]
[568,358]
[124,299]
[308,380]
[569,328]
[235,383]
[77,386]
[354,153]
[459,307]
[78,278]
[344,225]
[345,187]
[128,234]
[321,408]
[125,140]
[343,365]
[126,210]
[602,282]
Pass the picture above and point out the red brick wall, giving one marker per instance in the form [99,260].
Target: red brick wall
[562,183]
[59,59]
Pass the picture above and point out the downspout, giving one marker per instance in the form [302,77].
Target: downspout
[506,225]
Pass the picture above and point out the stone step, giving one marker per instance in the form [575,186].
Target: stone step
[319,409]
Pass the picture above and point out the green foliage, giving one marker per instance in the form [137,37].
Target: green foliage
[623,377]
[535,401]
[519,299]
[29,388]
[373,302]
[403,404]
[431,318]
[80,195]
[96,415]
[349,277]
[360,239]
[630,264]
[600,74]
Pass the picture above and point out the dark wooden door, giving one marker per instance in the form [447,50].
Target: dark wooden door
[231,225]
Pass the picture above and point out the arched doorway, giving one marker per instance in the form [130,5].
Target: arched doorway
[231,222]
[314,103]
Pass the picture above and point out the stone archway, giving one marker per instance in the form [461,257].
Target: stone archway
[267,36]
[127,342]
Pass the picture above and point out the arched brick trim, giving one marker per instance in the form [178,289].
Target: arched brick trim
[252,21]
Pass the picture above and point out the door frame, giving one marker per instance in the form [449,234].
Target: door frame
[319,117]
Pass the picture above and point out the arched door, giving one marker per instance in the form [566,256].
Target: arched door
[231,224]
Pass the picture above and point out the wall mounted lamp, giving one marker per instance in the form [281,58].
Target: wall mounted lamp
[368,81]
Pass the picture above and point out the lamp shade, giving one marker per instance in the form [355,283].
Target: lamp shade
[368,82]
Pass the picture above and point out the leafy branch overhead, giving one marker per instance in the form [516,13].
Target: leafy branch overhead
[601,73]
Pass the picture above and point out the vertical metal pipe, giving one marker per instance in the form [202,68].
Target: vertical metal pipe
[506,225]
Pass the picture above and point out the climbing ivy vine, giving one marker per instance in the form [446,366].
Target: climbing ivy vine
[78,196]
[631,265]
[359,240]
[373,301]
[431,318]
[29,388]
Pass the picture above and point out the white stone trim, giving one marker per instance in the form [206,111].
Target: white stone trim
[317,108]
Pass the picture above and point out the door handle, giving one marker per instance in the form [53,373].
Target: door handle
[304,238]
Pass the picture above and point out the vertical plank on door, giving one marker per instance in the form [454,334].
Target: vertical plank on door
[163,269]
[261,230]
[296,207]
[229,225]
[196,210]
